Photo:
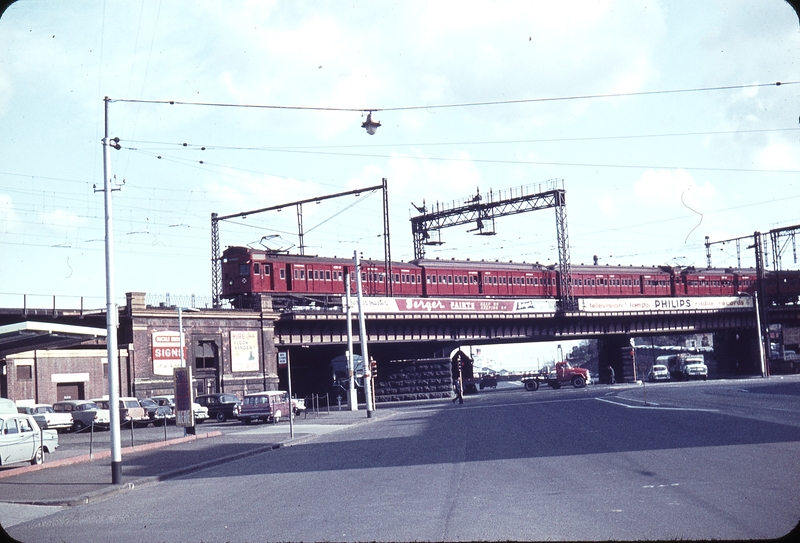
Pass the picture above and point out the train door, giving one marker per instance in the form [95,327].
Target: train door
[287,277]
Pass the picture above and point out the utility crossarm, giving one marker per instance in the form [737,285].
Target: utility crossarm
[216,264]
[778,247]
[775,236]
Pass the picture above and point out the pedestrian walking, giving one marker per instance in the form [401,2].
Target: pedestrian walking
[459,396]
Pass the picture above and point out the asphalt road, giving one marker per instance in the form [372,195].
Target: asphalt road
[697,460]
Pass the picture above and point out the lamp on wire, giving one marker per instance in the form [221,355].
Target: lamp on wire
[370,125]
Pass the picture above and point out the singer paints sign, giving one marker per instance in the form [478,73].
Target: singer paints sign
[166,351]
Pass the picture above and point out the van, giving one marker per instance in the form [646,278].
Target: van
[269,406]
[685,366]
[7,406]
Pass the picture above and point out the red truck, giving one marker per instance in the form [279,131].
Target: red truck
[561,374]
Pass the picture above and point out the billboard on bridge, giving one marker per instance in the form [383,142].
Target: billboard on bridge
[455,305]
[614,305]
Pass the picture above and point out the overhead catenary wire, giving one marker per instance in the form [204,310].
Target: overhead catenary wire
[462,104]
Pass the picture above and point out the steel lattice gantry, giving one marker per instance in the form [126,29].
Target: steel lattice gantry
[482,211]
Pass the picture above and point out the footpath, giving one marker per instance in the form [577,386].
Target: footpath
[81,479]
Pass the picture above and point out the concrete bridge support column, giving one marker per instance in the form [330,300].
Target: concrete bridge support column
[737,352]
[616,352]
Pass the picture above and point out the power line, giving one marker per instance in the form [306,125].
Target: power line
[464,104]
[212,147]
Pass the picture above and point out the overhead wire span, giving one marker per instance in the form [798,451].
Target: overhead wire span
[462,104]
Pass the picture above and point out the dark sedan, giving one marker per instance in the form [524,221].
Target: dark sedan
[221,406]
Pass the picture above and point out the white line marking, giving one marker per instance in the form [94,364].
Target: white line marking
[660,408]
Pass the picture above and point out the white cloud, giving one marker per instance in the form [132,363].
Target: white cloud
[673,189]
[778,156]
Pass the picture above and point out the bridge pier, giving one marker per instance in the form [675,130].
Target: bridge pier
[737,352]
[616,352]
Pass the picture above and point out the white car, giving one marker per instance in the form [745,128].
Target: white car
[45,417]
[200,411]
[85,414]
[21,439]
[658,372]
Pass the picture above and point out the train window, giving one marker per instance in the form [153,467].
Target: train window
[449,279]
[363,276]
[419,278]
[244,269]
[327,275]
[267,269]
[302,274]
[283,274]
[297,274]
[397,278]
[256,268]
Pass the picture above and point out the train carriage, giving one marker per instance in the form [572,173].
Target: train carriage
[605,281]
[246,272]
[691,282]
[406,279]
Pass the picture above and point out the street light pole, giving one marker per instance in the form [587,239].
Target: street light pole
[761,351]
[182,347]
[363,333]
[352,397]
[111,312]
[760,335]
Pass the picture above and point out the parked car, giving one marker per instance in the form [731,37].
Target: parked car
[158,414]
[84,413]
[269,406]
[298,405]
[7,406]
[221,406]
[130,412]
[658,372]
[200,412]
[21,439]
[46,417]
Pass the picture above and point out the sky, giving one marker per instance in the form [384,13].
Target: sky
[611,100]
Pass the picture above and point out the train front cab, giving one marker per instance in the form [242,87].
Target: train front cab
[242,274]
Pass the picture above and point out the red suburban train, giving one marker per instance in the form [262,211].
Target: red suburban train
[248,271]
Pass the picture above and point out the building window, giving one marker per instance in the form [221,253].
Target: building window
[204,356]
[24,373]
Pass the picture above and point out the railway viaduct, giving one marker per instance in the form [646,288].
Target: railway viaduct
[49,353]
